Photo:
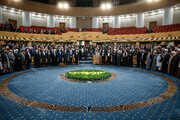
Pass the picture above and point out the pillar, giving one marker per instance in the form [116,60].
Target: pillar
[1,15]
[140,20]
[95,22]
[168,16]
[116,22]
[73,23]
[26,18]
[51,21]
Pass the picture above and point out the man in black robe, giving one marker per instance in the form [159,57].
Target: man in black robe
[143,59]
[103,57]
[114,57]
[76,57]
[28,59]
[176,62]
[109,56]
[165,61]
[119,57]
[17,62]
[37,59]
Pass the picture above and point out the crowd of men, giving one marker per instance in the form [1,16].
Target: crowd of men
[15,57]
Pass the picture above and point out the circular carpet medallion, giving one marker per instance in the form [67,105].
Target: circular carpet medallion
[126,89]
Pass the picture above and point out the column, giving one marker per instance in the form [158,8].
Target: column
[73,23]
[95,22]
[116,22]
[167,16]
[140,20]
[50,21]
[26,18]
[1,15]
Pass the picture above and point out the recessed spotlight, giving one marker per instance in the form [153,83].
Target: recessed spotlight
[108,5]
[103,6]
[60,5]
[66,5]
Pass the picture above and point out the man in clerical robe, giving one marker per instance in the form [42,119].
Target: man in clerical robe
[11,59]
[176,63]
[154,61]
[114,57]
[171,63]
[165,61]
[22,58]
[5,61]
[37,59]
[28,59]
[143,59]
[119,57]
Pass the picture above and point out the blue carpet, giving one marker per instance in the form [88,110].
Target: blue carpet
[130,86]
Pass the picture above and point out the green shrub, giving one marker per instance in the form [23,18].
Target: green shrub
[88,75]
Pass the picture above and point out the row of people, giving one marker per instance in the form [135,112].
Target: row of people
[157,58]
[151,57]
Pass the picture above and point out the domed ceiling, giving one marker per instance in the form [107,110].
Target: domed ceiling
[88,3]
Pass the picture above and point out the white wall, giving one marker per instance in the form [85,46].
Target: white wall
[100,24]
[60,21]
[128,22]
[148,19]
[176,18]
[6,15]
[39,21]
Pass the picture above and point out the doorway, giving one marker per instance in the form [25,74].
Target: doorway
[62,26]
[105,26]
[87,42]
[13,23]
[152,25]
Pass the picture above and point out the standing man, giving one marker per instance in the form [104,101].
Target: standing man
[76,57]
[28,59]
[11,59]
[103,57]
[70,57]
[5,61]
[37,59]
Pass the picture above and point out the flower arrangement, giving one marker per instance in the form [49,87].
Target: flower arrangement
[88,75]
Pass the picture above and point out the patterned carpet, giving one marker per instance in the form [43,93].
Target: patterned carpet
[130,86]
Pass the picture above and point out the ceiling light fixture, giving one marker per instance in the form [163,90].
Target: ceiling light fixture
[106,6]
[60,5]
[66,5]
[103,6]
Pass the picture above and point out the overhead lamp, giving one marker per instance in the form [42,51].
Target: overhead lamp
[66,5]
[63,5]
[60,5]
[108,6]
[103,6]
[150,0]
